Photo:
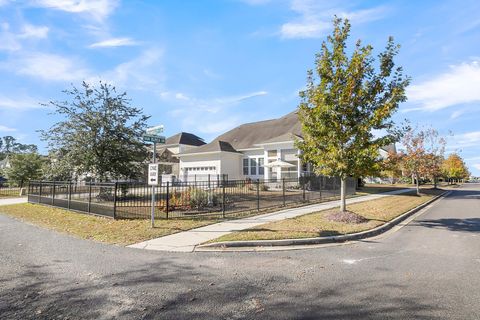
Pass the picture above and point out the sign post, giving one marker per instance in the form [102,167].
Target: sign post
[153,134]
[153,181]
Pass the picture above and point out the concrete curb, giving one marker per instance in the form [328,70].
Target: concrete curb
[219,246]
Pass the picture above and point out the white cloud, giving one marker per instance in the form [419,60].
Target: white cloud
[456,114]
[11,41]
[6,129]
[465,140]
[459,85]
[476,166]
[47,66]
[114,42]
[141,73]
[18,103]
[315,18]
[31,31]
[96,9]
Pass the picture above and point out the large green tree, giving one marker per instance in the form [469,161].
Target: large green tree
[346,99]
[100,133]
[24,167]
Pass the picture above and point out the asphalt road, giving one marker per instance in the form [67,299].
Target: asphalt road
[429,269]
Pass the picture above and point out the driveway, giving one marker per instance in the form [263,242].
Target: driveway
[429,269]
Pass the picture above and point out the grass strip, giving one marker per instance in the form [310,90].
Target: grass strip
[316,224]
[121,232]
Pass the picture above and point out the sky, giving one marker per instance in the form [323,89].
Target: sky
[206,66]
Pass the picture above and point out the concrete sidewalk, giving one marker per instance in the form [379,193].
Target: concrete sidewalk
[186,241]
[7,201]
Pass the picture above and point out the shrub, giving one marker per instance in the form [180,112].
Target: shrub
[200,198]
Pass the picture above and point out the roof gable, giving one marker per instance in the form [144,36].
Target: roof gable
[250,134]
[185,138]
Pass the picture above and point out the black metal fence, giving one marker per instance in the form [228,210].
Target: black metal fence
[7,190]
[215,198]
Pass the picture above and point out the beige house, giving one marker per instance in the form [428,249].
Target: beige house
[244,151]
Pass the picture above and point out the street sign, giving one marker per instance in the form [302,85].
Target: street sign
[155,131]
[153,138]
[153,174]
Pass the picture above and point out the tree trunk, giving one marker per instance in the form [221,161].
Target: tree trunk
[413,179]
[434,182]
[418,185]
[343,194]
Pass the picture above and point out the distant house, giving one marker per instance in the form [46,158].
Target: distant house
[180,142]
[244,151]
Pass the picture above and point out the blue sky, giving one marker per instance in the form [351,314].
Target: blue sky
[207,66]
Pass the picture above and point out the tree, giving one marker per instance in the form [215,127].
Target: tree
[392,165]
[435,152]
[424,155]
[100,134]
[455,168]
[24,167]
[9,145]
[414,159]
[344,101]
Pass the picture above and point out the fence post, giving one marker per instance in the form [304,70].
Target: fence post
[89,196]
[167,201]
[69,194]
[53,194]
[283,190]
[303,187]
[40,193]
[223,199]
[258,195]
[209,181]
[321,179]
[115,201]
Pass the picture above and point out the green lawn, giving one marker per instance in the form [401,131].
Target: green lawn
[121,232]
[317,224]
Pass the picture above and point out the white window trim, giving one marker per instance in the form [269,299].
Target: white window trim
[257,166]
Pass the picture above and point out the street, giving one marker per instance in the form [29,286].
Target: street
[429,269]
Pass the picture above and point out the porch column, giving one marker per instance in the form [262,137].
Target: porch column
[266,171]
[279,170]
[299,164]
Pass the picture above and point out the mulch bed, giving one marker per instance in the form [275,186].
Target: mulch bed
[347,217]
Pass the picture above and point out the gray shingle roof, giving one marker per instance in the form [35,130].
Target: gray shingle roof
[390,148]
[185,138]
[250,134]
[214,146]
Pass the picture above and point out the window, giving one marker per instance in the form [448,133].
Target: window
[261,169]
[245,167]
[253,166]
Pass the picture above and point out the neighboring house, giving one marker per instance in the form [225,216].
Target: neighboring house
[180,142]
[243,152]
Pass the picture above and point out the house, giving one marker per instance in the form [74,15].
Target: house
[249,151]
[244,151]
[165,153]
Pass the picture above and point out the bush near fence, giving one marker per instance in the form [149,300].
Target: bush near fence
[201,199]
